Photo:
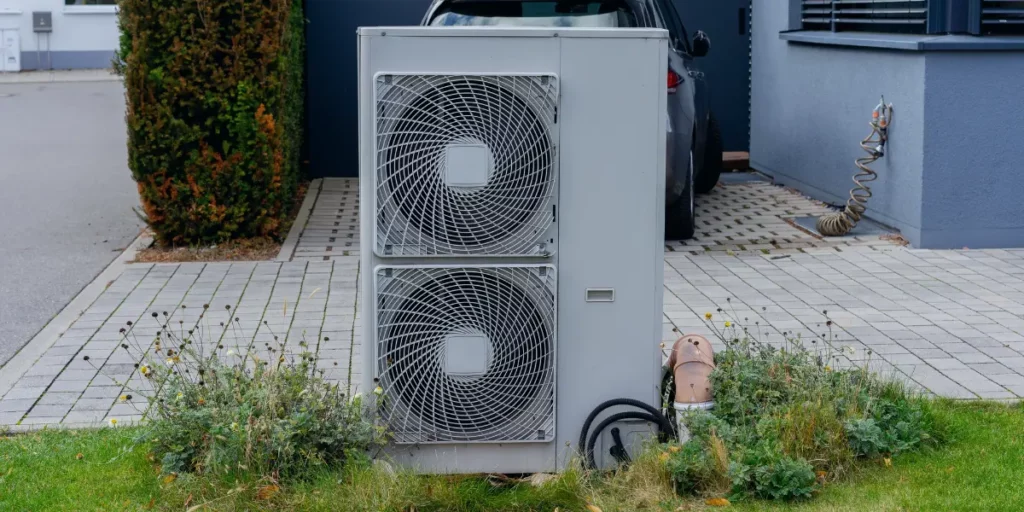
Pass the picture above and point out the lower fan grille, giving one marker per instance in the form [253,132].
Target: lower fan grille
[466,354]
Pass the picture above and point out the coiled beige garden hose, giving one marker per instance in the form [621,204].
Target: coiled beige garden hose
[841,223]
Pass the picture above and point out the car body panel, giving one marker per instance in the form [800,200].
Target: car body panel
[688,106]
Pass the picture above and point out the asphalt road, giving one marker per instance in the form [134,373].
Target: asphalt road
[66,198]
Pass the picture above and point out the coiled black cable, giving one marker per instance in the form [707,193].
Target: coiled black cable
[588,439]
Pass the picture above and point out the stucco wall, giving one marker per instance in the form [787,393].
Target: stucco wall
[810,109]
[974,148]
[82,37]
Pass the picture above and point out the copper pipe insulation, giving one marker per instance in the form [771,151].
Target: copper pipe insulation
[692,360]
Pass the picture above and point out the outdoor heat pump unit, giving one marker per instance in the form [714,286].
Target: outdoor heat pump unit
[512,203]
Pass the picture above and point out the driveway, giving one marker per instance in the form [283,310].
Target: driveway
[66,198]
[949,322]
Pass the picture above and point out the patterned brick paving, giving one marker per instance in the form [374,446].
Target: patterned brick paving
[333,227]
[755,217]
[951,322]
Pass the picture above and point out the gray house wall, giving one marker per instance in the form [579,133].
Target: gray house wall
[948,179]
[810,108]
[974,148]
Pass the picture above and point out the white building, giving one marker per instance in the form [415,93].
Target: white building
[84,34]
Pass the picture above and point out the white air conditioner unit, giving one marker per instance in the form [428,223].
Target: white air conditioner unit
[512,194]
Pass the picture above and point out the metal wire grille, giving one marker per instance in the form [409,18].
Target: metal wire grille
[509,312]
[418,118]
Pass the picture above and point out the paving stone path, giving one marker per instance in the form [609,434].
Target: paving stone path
[951,322]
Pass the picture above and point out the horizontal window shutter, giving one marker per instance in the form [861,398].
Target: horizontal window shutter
[1002,17]
[816,14]
[904,16]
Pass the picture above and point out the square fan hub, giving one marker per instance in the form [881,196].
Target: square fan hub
[467,165]
[467,355]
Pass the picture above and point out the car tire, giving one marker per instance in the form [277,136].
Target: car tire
[680,216]
[712,170]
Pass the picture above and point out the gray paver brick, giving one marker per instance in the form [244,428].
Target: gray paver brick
[49,411]
[58,398]
[1005,379]
[18,392]
[94,404]
[949,320]
[42,420]
[68,385]
[20,405]
[10,418]
[88,417]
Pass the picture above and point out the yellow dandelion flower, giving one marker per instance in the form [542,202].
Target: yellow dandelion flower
[113,422]
[707,316]
[828,368]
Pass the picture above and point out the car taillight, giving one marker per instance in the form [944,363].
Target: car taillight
[673,81]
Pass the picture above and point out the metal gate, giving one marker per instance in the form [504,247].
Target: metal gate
[332,86]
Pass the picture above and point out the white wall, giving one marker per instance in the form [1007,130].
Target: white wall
[83,36]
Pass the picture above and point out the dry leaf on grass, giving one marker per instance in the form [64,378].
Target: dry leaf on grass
[266,492]
[593,508]
[717,502]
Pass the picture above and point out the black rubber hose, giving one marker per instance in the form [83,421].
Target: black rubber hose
[653,415]
[628,415]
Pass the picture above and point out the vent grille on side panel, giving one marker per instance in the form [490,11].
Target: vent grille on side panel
[465,165]
[466,354]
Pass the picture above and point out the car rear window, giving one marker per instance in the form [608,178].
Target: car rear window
[566,13]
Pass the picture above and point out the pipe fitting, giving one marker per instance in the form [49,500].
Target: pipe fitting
[692,360]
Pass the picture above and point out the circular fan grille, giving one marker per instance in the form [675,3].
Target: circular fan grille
[510,314]
[419,118]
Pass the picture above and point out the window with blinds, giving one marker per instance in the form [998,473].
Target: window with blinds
[1004,17]
[906,16]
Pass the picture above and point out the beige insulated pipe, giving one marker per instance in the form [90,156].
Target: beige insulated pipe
[692,360]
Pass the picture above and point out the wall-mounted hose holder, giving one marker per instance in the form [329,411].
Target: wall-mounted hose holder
[842,222]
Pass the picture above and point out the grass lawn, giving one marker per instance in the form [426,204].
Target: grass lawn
[981,469]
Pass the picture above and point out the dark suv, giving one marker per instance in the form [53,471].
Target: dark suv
[694,160]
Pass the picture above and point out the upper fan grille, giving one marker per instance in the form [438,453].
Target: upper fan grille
[466,354]
[419,119]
